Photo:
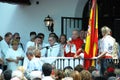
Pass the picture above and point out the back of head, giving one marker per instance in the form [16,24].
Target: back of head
[105,30]
[91,69]
[76,75]
[7,74]
[37,53]
[47,69]
[67,71]
[78,68]
[59,74]
[85,75]
[95,74]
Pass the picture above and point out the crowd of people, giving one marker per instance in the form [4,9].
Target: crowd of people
[19,63]
[68,73]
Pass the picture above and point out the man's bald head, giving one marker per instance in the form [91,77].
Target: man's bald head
[75,34]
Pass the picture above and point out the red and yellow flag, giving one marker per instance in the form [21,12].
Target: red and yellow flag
[91,47]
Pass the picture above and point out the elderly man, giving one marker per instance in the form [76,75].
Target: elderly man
[73,45]
[34,63]
[53,48]
[5,45]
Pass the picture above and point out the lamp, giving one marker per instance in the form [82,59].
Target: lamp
[49,23]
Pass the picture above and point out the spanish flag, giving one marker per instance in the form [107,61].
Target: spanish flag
[91,47]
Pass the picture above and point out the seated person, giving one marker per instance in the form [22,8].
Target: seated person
[53,48]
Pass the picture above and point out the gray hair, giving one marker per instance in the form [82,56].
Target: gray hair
[105,30]
[96,74]
[30,52]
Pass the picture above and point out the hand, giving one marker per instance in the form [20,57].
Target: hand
[68,42]
[18,58]
[16,61]
[94,57]
[75,56]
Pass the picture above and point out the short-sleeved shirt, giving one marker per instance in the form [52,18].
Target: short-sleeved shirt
[106,44]
[34,64]
[13,55]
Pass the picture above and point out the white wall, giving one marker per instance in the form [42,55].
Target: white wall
[24,19]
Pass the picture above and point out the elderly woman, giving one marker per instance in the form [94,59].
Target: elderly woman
[14,56]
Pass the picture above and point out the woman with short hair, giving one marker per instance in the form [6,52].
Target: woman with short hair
[14,56]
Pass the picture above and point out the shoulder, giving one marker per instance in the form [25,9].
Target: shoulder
[30,42]
[10,49]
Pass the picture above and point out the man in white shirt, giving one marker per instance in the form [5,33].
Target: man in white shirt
[34,63]
[53,48]
[5,45]
[38,45]
[31,42]
[42,44]
[47,70]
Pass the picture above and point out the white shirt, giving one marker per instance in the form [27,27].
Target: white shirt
[30,43]
[71,49]
[13,55]
[47,78]
[107,43]
[34,64]
[42,47]
[62,47]
[82,58]
[53,51]
[4,48]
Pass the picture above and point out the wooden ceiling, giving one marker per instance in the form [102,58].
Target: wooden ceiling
[21,2]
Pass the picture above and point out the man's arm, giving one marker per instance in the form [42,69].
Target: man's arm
[12,60]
